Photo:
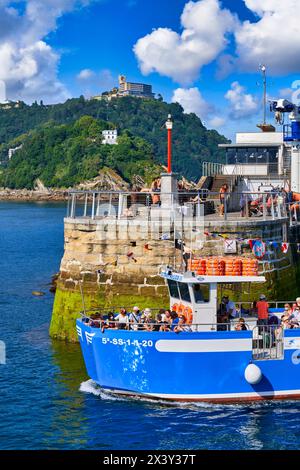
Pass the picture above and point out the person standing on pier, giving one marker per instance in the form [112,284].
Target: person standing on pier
[222,195]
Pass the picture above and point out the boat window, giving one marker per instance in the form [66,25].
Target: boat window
[173,288]
[201,293]
[184,292]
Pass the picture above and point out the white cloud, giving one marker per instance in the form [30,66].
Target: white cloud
[29,66]
[86,74]
[241,104]
[217,122]
[181,56]
[192,101]
[274,39]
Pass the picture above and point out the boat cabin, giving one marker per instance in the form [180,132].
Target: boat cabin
[198,295]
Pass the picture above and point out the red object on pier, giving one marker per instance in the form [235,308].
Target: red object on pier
[169,126]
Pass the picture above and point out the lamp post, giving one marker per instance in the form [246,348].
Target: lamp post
[169,127]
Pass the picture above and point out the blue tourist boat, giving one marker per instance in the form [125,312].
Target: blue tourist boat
[209,362]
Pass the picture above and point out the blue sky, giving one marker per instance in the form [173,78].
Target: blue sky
[204,54]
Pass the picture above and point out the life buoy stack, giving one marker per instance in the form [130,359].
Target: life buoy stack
[250,267]
[215,267]
[233,267]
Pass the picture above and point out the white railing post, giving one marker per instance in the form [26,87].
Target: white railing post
[73,206]
[85,205]
[264,206]
[93,206]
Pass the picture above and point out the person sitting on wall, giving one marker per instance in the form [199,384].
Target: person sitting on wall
[155,191]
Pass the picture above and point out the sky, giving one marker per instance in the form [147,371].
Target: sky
[204,54]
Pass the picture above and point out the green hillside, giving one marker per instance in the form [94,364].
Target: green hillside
[62,149]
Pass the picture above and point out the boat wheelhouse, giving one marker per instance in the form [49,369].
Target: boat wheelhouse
[205,363]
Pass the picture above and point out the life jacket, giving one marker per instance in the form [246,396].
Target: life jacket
[188,313]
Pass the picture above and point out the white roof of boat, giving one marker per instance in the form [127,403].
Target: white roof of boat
[191,278]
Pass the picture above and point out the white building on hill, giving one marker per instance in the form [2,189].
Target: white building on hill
[110,137]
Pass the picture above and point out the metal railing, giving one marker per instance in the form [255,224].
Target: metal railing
[96,205]
[212,169]
[268,343]
[104,323]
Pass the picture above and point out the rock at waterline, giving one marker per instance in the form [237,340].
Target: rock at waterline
[37,293]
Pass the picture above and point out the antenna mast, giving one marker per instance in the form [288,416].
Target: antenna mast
[264,126]
[263,69]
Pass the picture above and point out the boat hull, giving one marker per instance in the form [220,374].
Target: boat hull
[202,366]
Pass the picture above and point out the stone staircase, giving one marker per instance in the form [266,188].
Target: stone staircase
[232,181]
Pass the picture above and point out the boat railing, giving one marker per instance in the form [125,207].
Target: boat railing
[128,205]
[268,342]
[102,321]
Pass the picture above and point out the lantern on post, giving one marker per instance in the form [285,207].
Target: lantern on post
[169,127]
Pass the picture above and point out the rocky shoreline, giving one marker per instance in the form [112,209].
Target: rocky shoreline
[27,195]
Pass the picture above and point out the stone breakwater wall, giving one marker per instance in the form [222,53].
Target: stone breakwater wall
[27,195]
[118,264]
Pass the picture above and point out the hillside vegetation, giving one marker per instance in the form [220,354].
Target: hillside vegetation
[62,143]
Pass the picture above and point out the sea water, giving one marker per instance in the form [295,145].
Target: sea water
[47,400]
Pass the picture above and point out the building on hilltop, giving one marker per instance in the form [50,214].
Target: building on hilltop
[139,90]
[10,104]
[110,137]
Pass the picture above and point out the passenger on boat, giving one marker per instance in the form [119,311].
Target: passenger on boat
[296,304]
[262,310]
[295,316]
[122,319]
[288,310]
[110,322]
[175,320]
[158,323]
[147,320]
[166,317]
[223,322]
[230,307]
[135,318]
[285,324]
[241,325]
[96,320]
[182,324]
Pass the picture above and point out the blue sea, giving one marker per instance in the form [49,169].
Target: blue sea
[47,400]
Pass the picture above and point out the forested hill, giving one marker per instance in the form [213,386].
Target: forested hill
[144,119]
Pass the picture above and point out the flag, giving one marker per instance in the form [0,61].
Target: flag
[285,247]
[252,243]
